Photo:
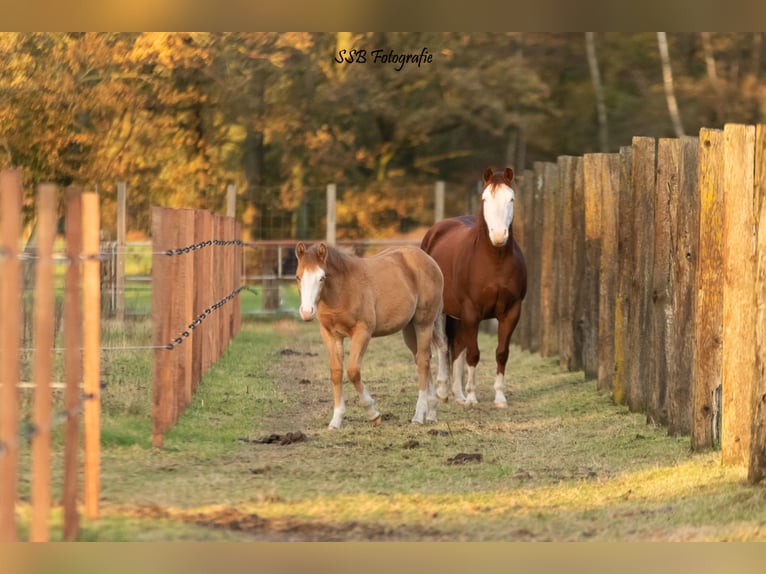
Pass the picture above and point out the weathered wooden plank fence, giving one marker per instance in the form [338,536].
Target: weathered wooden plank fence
[196,271]
[655,287]
[81,344]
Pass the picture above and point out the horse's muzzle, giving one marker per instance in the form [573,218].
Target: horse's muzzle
[498,238]
[307,315]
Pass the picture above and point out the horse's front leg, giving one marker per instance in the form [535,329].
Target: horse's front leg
[505,329]
[334,345]
[470,334]
[359,341]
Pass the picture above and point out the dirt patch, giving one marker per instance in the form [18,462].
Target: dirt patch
[464,457]
[292,352]
[280,439]
[287,528]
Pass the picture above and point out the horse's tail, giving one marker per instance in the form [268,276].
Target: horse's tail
[439,338]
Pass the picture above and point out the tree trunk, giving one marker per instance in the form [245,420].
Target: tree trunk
[598,88]
[667,79]
[710,65]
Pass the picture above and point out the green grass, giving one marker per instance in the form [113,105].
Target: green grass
[562,463]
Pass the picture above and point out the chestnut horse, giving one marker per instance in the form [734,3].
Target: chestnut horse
[485,277]
[399,289]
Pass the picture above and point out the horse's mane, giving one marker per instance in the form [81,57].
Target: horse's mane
[337,261]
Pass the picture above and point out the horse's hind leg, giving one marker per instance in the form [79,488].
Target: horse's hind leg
[359,343]
[418,340]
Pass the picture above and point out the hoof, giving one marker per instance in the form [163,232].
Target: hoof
[501,405]
[331,427]
[416,421]
[376,421]
[442,399]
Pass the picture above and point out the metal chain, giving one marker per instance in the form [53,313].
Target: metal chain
[201,245]
[201,317]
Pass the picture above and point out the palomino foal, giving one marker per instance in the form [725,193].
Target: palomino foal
[485,277]
[399,289]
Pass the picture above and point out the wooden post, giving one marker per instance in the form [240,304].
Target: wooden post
[609,182]
[331,199]
[548,271]
[91,293]
[162,366]
[534,263]
[72,361]
[43,364]
[578,264]
[238,279]
[206,293]
[184,284]
[523,221]
[231,200]
[198,303]
[593,220]
[738,368]
[708,307]
[438,201]
[120,258]
[566,173]
[10,322]
[642,191]
[683,271]
[623,354]
[662,354]
[756,470]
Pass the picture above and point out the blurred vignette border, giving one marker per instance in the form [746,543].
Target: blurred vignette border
[339,558]
[393,15]
[374,558]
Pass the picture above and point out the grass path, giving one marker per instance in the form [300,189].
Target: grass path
[562,463]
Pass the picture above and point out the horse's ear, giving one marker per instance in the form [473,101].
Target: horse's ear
[488,175]
[322,252]
[508,175]
[300,250]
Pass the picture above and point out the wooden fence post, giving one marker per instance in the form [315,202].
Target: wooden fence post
[162,366]
[625,259]
[438,201]
[331,203]
[593,222]
[91,292]
[119,276]
[567,281]
[523,222]
[757,460]
[609,182]
[708,326]
[183,284]
[72,361]
[662,353]
[534,264]
[642,191]
[548,260]
[683,270]
[10,324]
[738,368]
[43,364]
[578,262]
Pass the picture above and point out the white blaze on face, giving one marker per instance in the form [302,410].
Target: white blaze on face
[310,285]
[498,211]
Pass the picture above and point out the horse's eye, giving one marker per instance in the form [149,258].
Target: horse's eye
[298,278]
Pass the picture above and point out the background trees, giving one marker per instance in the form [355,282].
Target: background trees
[180,115]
